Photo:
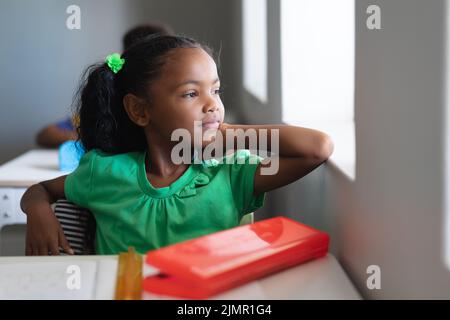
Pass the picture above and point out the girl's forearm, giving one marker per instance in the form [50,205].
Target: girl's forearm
[293,141]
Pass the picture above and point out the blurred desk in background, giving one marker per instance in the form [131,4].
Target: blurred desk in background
[19,174]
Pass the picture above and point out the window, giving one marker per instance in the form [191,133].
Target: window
[317,58]
[255,47]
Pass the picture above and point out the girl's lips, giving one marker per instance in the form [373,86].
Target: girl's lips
[211,125]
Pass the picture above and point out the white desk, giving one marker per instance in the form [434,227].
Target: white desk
[19,174]
[318,279]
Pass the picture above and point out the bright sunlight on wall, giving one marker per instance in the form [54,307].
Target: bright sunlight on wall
[318,52]
[255,47]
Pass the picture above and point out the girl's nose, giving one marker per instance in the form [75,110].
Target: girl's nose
[210,106]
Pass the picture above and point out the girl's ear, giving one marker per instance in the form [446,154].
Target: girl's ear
[136,109]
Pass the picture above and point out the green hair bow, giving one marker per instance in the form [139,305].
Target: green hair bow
[115,62]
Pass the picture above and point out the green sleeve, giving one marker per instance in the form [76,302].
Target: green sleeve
[242,177]
[78,184]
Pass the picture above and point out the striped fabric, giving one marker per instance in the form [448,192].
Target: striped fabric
[78,225]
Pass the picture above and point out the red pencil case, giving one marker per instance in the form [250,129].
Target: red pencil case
[205,266]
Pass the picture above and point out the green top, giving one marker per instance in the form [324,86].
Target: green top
[129,211]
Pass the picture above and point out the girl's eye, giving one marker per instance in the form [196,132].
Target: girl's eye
[189,95]
[194,94]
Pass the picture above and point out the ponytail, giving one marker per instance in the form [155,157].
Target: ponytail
[104,124]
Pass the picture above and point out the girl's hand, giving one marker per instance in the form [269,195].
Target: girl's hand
[210,139]
[44,233]
[222,127]
[222,131]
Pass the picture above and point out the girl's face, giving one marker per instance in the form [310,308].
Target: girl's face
[187,90]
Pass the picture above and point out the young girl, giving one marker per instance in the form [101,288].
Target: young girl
[129,107]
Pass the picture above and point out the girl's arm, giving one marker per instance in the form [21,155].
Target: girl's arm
[44,233]
[301,150]
[52,136]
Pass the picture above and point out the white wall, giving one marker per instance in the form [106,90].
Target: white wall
[392,215]
[396,216]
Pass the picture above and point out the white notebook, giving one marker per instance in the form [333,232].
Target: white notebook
[48,280]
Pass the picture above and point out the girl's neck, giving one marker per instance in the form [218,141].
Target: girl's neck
[162,172]
[159,162]
[159,166]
